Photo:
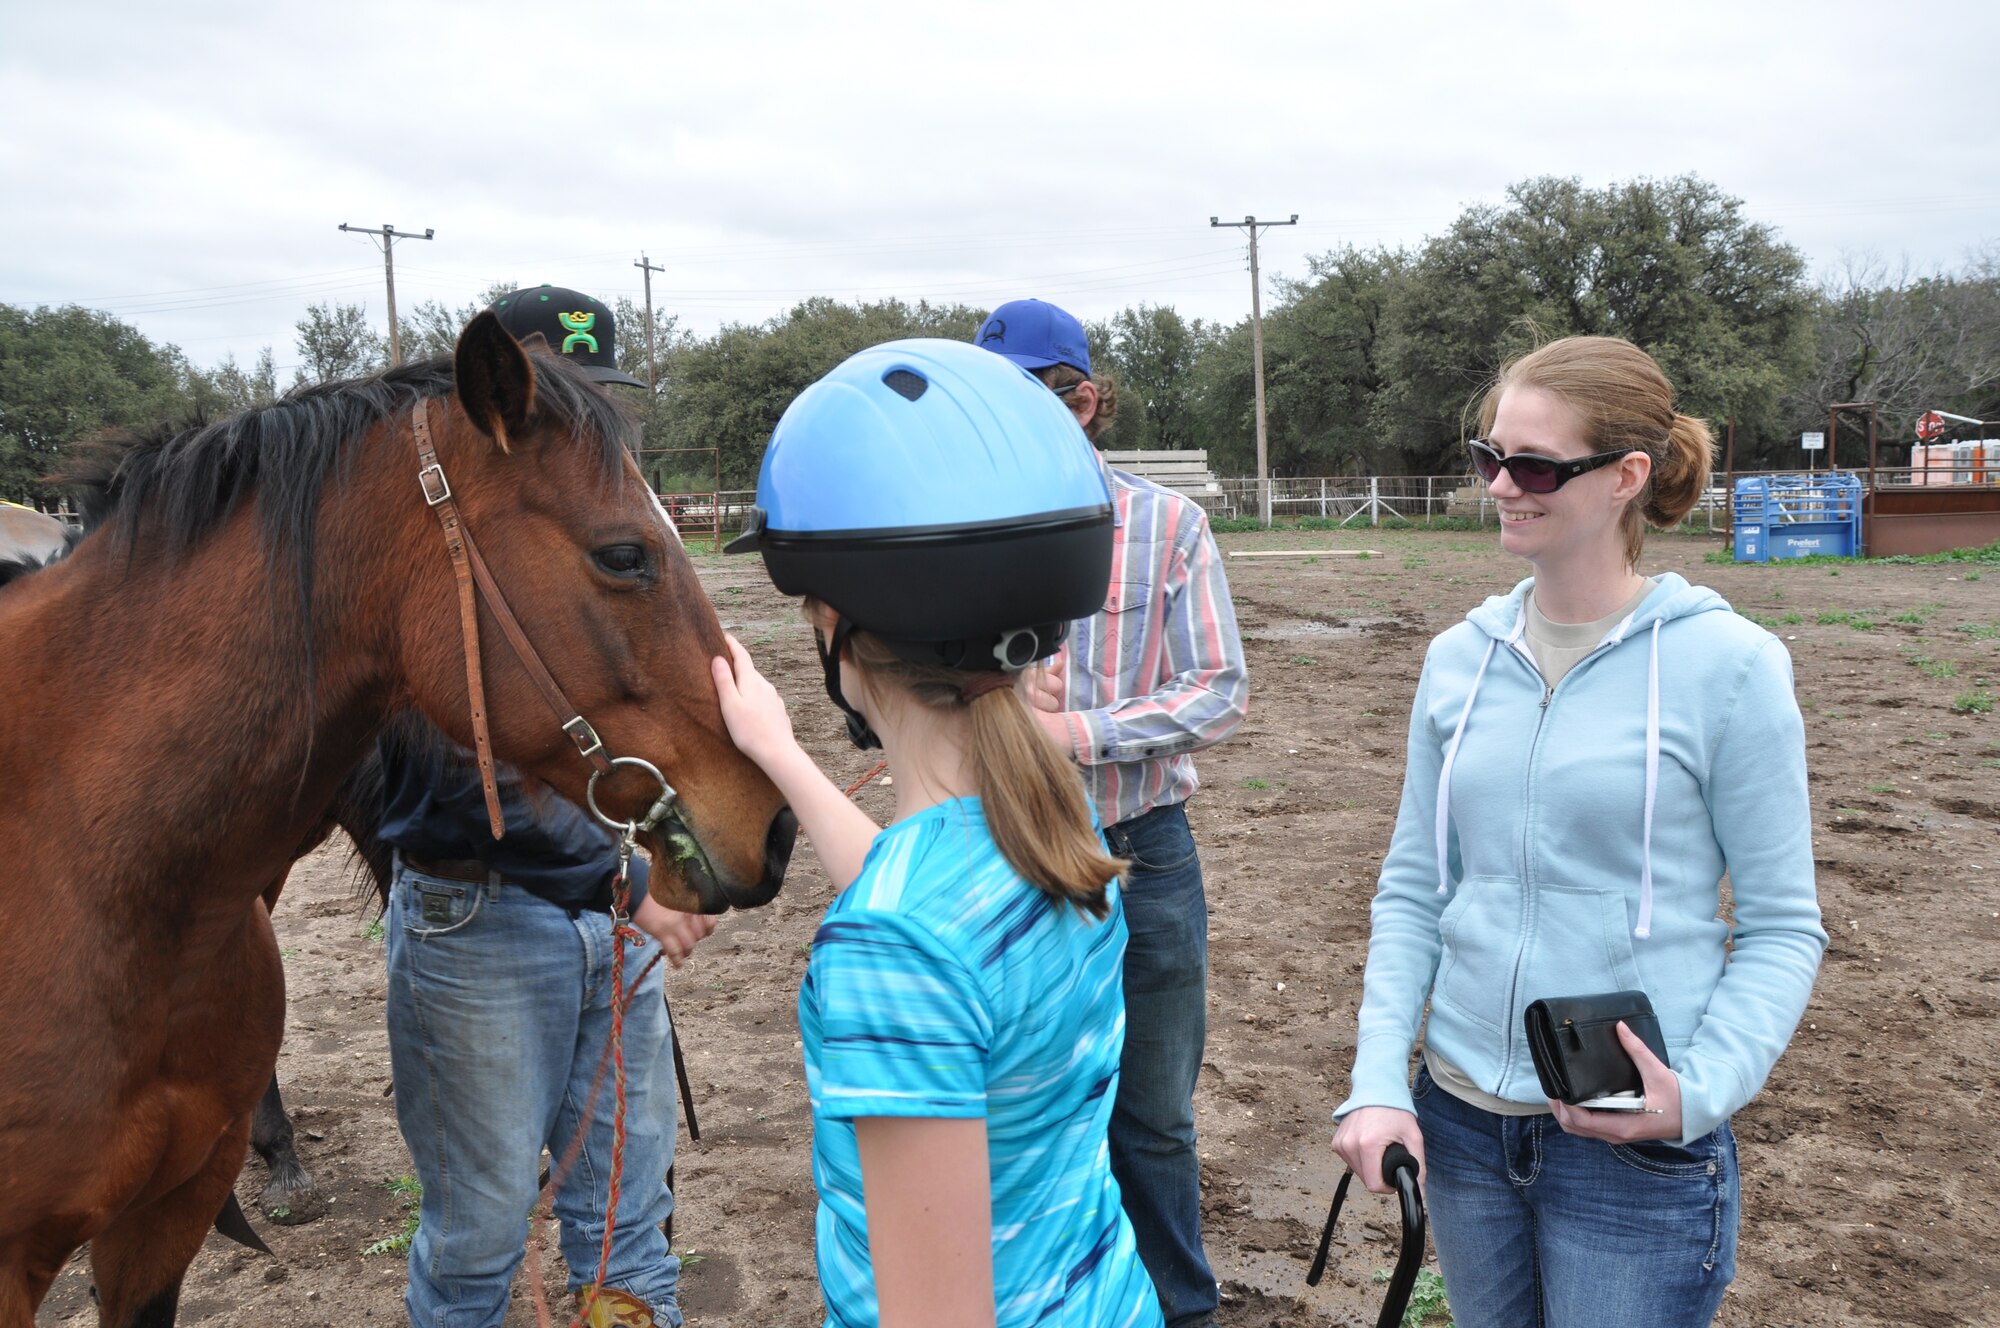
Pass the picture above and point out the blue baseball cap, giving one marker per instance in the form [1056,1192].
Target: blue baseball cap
[1035,334]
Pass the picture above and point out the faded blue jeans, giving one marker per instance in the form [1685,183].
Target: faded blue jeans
[1153,1152]
[499,1008]
[1537,1228]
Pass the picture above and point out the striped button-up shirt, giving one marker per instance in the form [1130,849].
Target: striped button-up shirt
[1157,673]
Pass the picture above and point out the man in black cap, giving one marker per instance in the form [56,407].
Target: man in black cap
[499,997]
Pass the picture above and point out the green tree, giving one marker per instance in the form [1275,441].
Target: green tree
[728,390]
[67,373]
[432,326]
[1152,353]
[336,341]
[1322,371]
[1672,265]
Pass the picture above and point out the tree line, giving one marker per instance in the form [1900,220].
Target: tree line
[1374,358]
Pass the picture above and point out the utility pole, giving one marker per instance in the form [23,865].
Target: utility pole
[1250,225]
[389,235]
[649,269]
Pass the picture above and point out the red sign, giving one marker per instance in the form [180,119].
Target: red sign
[1930,426]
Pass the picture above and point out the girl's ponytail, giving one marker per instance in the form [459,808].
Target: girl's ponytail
[1035,805]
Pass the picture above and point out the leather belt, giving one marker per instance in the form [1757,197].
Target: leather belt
[451,869]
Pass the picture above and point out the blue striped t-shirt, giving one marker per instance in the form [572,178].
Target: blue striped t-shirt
[943,985]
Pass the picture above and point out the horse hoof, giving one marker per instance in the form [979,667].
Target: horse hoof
[287,1187]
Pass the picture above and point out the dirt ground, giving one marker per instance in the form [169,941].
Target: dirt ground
[1865,1158]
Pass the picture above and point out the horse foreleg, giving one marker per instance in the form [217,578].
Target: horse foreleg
[139,1260]
[271,1135]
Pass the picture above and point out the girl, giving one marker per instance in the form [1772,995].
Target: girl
[962,1015]
[1587,757]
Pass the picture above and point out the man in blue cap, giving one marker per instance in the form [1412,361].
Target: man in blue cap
[1155,676]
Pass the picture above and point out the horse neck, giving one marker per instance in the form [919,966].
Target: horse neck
[176,745]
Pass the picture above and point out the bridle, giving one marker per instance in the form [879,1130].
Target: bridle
[470,571]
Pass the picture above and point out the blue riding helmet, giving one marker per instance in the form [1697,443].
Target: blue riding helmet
[940,498]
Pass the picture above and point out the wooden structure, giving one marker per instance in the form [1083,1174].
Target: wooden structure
[1184,472]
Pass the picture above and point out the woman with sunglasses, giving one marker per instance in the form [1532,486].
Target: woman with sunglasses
[1587,757]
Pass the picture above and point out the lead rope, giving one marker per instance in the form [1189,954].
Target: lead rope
[613,1056]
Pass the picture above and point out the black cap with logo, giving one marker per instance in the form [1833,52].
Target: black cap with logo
[575,326]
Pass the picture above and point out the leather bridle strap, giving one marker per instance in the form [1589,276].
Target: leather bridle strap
[471,574]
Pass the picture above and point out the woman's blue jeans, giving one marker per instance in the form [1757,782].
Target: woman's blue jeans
[1153,1152]
[1537,1228]
[499,1008]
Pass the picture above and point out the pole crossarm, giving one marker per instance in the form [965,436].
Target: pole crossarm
[386,235]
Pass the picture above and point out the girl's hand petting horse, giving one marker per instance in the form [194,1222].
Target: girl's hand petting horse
[758,722]
[1660,1120]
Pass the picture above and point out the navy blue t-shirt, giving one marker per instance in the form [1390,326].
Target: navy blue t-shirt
[433,807]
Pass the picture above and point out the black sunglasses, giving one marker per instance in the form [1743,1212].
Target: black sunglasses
[1537,474]
[1066,389]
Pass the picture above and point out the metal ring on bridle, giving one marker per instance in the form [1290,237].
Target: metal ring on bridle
[654,815]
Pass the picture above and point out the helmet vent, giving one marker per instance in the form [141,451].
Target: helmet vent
[905,384]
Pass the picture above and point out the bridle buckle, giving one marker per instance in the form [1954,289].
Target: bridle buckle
[437,489]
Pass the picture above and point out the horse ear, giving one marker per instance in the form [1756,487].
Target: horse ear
[496,382]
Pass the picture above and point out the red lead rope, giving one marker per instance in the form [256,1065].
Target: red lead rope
[613,1055]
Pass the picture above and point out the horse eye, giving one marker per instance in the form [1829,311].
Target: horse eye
[621,559]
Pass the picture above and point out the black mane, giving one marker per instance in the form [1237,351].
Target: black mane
[178,486]
[160,494]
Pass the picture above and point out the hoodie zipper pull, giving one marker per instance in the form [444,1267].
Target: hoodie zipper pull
[1547,692]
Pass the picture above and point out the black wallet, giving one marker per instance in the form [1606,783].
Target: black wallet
[1574,1040]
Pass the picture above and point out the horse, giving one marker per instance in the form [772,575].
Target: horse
[281,592]
[31,540]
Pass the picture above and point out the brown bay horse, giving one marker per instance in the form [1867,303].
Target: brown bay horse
[30,541]
[281,588]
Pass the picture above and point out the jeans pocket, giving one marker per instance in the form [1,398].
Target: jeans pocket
[1666,1157]
[1421,1086]
[434,907]
[1162,842]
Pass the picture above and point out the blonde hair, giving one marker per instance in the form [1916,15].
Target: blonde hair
[1624,400]
[1063,375]
[1032,796]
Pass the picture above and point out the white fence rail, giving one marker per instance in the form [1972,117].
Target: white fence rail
[1363,500]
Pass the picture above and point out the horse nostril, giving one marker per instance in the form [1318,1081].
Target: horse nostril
[778,841]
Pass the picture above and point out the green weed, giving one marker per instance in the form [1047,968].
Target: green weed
[1427,1300]
[373,931]
[411,1191]
[1973,703]
[1881,788]
[1792,619]
[1857,619]
[1256,783]
[1981,631]
[1935,668]
[1304,661]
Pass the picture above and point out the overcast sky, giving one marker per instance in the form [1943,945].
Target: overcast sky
[185,165]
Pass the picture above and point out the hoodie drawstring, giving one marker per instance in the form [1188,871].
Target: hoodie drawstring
[1444,775]
[1645,927]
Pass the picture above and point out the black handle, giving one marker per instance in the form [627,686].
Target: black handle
[1399,1169]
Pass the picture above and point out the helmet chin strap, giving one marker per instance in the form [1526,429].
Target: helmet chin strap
[829,660]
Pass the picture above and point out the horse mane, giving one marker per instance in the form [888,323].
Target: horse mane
[189,481]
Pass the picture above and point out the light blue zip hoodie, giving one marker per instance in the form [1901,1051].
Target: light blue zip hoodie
[1571,841]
